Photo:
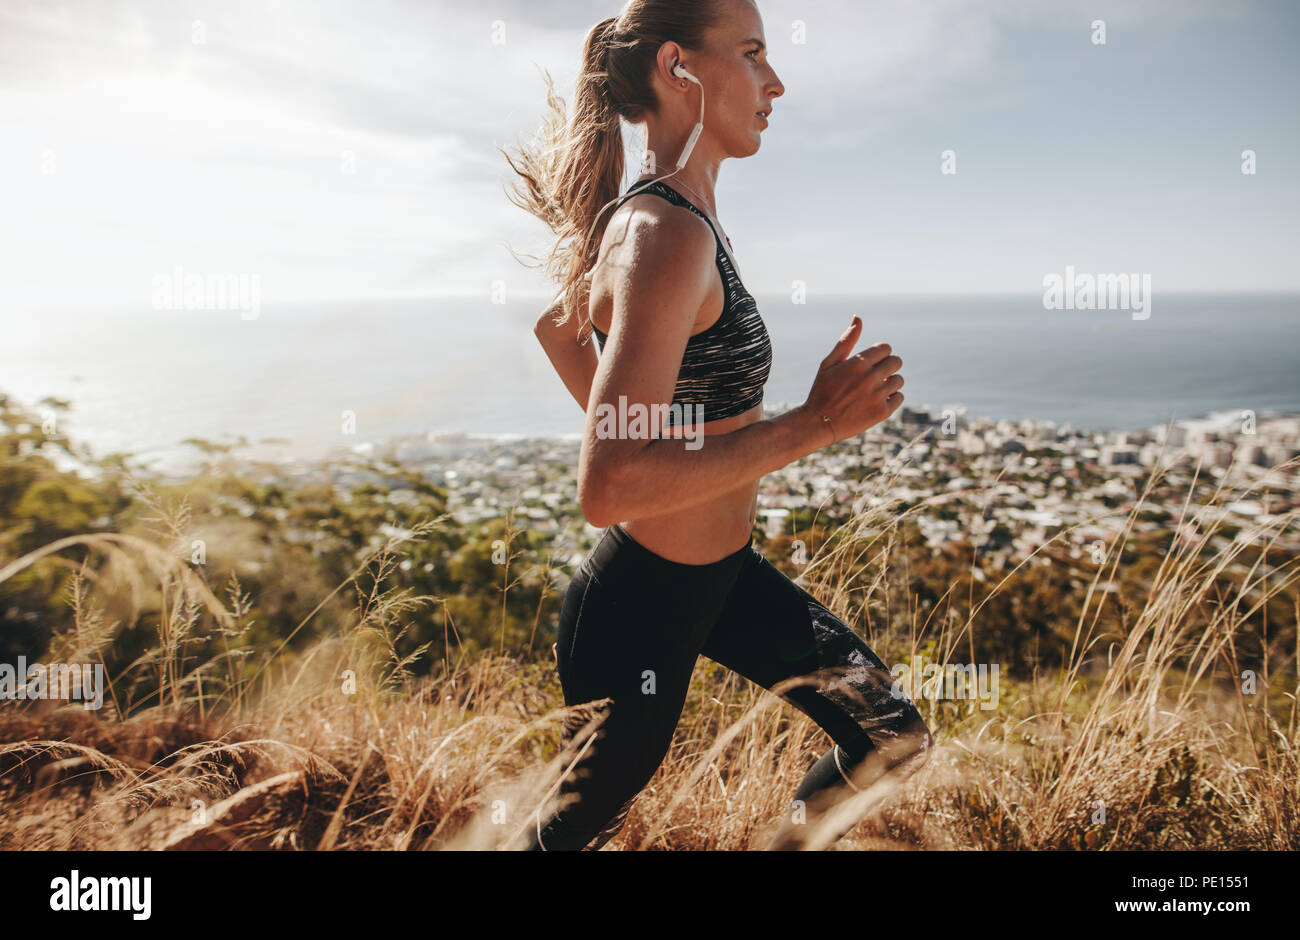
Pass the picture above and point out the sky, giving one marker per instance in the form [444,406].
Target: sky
[337,150]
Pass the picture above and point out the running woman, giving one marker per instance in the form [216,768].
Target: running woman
[675,573]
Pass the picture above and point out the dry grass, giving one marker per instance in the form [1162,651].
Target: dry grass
[340,748]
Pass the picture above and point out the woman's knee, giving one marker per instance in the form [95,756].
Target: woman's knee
[901,738]
[627,743]
[913,745]
[898,753]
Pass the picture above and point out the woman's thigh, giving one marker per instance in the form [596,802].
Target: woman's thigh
[775,633]
[631,628]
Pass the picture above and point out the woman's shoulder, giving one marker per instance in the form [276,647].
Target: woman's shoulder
[652,251]
[646,230]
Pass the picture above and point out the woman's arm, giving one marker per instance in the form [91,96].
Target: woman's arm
[574,361]
[663,268]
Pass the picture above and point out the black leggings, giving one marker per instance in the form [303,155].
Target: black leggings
[631,627]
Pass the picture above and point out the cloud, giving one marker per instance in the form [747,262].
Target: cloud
[345,147]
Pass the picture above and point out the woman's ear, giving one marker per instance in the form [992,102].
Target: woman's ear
[670,56]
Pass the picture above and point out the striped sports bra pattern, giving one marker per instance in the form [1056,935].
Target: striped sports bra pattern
[725,367]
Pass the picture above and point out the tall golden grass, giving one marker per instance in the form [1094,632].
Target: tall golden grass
[339,747]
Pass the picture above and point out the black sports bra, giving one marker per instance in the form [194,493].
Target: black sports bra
[725,367]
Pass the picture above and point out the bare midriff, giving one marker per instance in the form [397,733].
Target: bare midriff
[707,531]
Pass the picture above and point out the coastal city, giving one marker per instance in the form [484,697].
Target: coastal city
[1004,487]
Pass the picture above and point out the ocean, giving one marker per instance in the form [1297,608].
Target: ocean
[141,381]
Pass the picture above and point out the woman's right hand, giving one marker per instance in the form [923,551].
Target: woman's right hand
[859,391]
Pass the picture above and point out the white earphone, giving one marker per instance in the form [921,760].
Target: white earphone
[681,72]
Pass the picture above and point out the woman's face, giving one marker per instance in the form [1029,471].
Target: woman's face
[738,80]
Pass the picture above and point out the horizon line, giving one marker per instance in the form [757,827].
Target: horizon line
[546,296]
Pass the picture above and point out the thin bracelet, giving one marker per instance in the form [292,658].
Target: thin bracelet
[832,427]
